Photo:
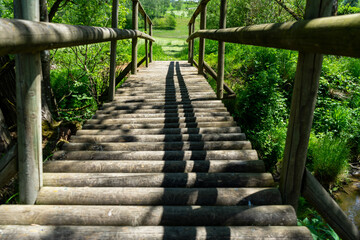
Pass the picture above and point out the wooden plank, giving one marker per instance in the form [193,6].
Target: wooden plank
[8,166]
[148,215]
[34,36]
[73,166]
[146,46]
[143,12]
[198,10]
[158,196]
[319,198]
[28,107]
[151,44]
[114,24]
[135,23]
[155,232]
[202,40]
[324,35]
[301,113]
[221,53]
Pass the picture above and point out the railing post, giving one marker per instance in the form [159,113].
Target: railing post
[134,40]
[190,43]
[202,40]
[114,24]
[302,112]
[146,45]
[150,44]
[28,107]
[221,53]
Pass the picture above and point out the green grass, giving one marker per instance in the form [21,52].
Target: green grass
[173,41]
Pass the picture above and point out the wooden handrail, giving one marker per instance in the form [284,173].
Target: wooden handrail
[21,36]
[144,14]
[198,10]
[339,35]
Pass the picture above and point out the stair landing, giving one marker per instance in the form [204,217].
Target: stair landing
[164,160]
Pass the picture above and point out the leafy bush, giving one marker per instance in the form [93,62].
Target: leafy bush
[319,229]
[329,157]
[348,9]
[168,22]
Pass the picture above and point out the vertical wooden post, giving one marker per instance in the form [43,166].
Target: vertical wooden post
[114,24]
[221,53]
[150,44]
[192,45]
[302,112]
[28,106]
[202,40]
[190,42]
[134,40]
[146,45]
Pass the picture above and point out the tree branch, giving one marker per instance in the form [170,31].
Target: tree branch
[289,10]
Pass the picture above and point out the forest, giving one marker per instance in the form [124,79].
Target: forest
[76,82]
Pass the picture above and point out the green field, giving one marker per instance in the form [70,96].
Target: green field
[173,41]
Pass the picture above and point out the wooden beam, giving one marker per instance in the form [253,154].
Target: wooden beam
[22,36]
[324,35]
[198,10]
[144,14]
[302,112]
[190,42]
[8,165]
[213,74]
[28,107]
[150,43]
[114,24]
[135,19]
[202,40]
[126,71]
[221,53]
[146,45]
[319,198]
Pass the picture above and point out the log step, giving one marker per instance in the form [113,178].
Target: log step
[160,125]
[158,146]
[158,155]
[274,215]
[158,138]
[163,111]
[154,232]
[158,179]
[160,115]
[160,120]
[163,131]
[69,166]
[158,196]
[136,106]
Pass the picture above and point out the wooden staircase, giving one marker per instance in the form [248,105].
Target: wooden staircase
[165,160]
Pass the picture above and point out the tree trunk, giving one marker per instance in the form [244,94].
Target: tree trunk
[48,106]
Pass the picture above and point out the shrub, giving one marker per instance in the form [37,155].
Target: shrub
[166,23]
[329,157]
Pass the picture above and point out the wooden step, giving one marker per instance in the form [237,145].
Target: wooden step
[144,95]
[158,196]
[275,215]
[166,104]
[114,121]
[137,106]
[158,146]
[164,131]
[112,115]
[158,179]
[158,138]
[155,232]
[77,166]
[157,155]
[163,111]
[223,124]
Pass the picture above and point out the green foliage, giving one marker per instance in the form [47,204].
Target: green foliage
[348,9]
[329,157]
[6,9]
[318,227]
[168,22]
